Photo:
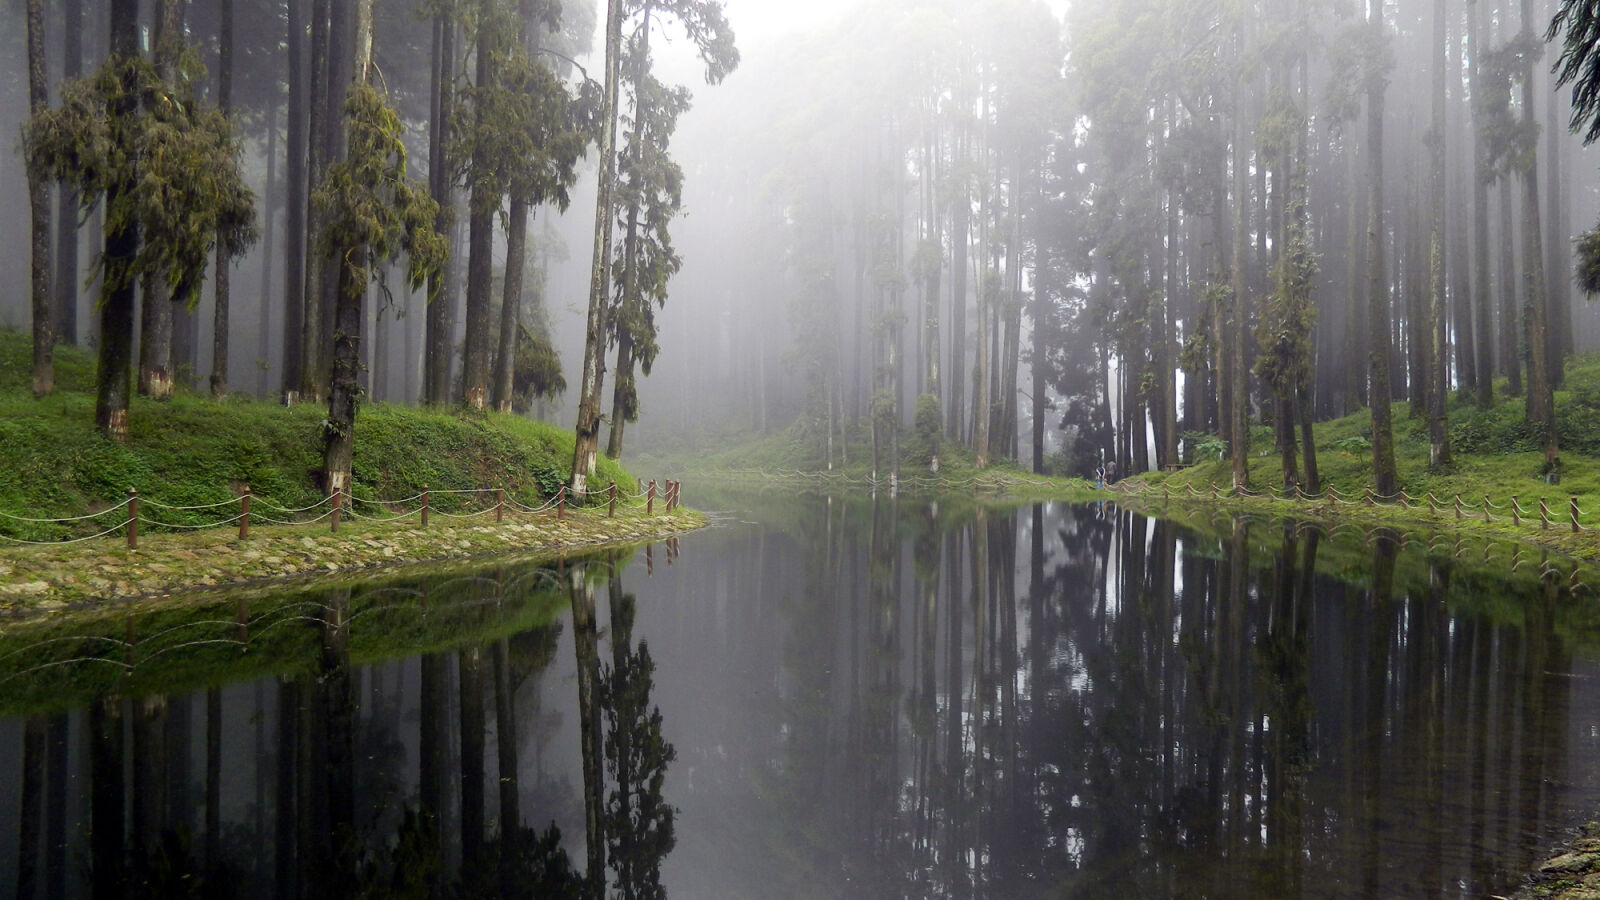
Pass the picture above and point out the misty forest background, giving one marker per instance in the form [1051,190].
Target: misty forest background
[934,227]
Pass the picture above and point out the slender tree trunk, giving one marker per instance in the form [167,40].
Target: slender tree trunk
[441,289]
[1355,382]
[1540,409]
[66,278]
[294,214]
[44,379]
[634,314]
[1383,467]
[960,219]
[1481,296]
[1511,334]
[1439,376]
[505,365]
[592,383]
[1239,440]
[269,231]
[1557,281]
[480,233]
[312,389]
[224,263]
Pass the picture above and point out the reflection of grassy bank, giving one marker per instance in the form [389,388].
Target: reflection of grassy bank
[1478,575]
[54,661]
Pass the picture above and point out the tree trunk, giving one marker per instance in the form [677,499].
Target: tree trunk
[960,222]
[269,232]
[1511,334]
[345,393]
[1540,410]
[294,215]
[480,233]
[66,278]
[441,290]
[1378,344]
[1239,440]
[505,364]
[1481,297]
[44,379]
[505,728]
[592,383]
[219,327]
[312,388]
[1439,374]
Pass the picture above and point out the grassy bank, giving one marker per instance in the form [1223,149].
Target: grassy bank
[194,451]
[1495,456]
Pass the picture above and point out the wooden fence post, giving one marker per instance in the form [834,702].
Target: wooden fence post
[1486,507]
[244,514]
[133,518]
[499,505]
[1369,496]
[424,506]
[1516,511]
[1574,510]
[1458,507]
[611,507]
[561,503]
[1544,515]
[650,499]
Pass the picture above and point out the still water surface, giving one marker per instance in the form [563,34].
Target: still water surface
[822,698]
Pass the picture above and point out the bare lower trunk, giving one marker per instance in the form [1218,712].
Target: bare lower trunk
[592,384]
[343,398]
[155,340]
[505,364]
[44,379]
[622,396]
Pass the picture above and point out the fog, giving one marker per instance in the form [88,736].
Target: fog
[1064,225]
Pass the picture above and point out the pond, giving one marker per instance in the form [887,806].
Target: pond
[839,697]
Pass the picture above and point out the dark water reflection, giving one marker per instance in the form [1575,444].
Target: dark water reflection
[847,699]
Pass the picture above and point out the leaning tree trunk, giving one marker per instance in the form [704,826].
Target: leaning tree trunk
[44,379]
[587,433]
[219,324]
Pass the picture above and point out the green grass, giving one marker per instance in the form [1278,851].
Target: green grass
[193,450]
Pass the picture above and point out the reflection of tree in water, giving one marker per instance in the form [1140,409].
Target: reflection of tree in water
[638,820]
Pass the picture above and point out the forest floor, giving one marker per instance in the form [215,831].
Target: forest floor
[64,490]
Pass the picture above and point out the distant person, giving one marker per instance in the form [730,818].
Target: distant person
[1100,478]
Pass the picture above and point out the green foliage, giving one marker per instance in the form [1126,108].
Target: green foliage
[167,163]
[1355,445]
[1205,446]
[374,212]
[1587,257]
[927,430]
[1579,62]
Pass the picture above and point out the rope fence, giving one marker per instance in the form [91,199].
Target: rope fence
[461,504]
[1569,515]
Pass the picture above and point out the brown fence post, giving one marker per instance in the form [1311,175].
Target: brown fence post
[1516,511]
[499,505]
[650,499]
[244,514]
[1544,515]
[611,508]
[1486,507]
[1574,510]
[133,518]
[1458,507]
[561,503]
[338,497]
[1369,496]
[424,506]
